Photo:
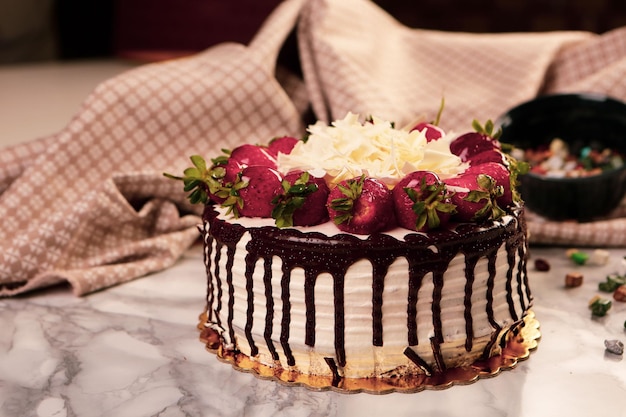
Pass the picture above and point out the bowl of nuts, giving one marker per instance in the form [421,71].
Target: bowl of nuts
[575,148]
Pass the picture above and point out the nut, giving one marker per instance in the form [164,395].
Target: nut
[599,257]
[620,293]
[542,265]
[573,279]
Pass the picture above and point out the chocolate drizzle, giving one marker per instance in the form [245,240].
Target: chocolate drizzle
[250,265]
[470,266]
[510,250]
[269,307]
[317,253]
[491,267]
[208,251]
[286,320]
[309,298]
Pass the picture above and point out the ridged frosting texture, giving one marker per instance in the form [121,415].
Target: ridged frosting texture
[263,302]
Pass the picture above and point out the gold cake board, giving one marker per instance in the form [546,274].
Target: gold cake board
[517,348]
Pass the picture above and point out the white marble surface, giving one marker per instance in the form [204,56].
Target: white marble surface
[133,350]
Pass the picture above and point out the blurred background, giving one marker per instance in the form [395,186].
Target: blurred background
[35,30]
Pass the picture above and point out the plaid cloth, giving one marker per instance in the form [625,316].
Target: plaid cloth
[90,206]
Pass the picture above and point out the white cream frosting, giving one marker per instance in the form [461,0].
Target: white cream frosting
[349,148]
[364,359]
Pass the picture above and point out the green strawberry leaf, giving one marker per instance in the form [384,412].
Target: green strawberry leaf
[487,129]
[293,197]
[345,205]
[488,191]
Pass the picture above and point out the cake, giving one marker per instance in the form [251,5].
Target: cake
[363,254]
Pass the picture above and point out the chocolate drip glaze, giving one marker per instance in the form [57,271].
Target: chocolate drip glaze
[309,298]
[231,291]
[317,253]
[208,251]
[470,266]
[286,320]
[491,267]
[520,279]
[218,284]
[269,307]
[510,250]
[415,283]
[340,349]
[250,309]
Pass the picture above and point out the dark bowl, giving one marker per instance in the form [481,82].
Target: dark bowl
[579,120]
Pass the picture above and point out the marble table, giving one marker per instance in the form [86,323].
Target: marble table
[133,350]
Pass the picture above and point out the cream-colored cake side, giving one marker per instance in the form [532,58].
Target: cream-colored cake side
[262,312]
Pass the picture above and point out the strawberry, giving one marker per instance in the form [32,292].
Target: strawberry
[302,202]
[361,205]
[501,175]
[433,132]
[250,155]
[421,202]
[252,194]
[475,196]
[471,144]
[492,155]
[283,144]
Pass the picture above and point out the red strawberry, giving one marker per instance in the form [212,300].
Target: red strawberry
[252,194]
[302,202]
[433,132]
[473,143]
[361,206]
[249,155]
[501,174]
[283,144]
[475,197]
[421,202]
[493,155]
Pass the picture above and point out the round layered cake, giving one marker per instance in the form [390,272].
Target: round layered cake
[364,253]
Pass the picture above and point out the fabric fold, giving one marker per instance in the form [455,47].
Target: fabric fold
[90,206]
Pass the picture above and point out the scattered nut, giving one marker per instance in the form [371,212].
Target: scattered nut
[620,293]
[570,252]
[599,257]
[616,347]
[573,279]
[580,258]
[599,306]
[611,282]
[542,265]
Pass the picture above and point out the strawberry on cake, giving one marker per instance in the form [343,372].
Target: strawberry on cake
[363,253]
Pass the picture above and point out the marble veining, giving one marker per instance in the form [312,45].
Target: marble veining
[133,350]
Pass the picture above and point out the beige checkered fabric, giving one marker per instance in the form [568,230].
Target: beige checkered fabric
[89,205]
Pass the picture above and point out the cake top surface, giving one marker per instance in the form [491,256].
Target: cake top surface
[363,175]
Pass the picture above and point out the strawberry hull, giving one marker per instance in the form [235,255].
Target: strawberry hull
[313,211]
[361,206]
[421,202]
[502,176]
